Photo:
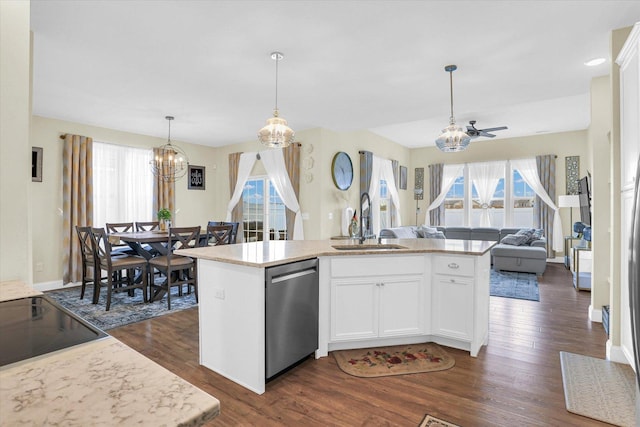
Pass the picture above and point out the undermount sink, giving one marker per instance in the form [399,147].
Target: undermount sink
[367,247]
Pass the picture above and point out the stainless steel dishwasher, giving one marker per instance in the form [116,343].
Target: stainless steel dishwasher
[291,299]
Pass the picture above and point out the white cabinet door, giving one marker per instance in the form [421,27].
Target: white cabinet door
[452,307]
[401,306]
[354,308]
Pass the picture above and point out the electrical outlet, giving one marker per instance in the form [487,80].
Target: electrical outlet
[219,293]
[330,215]
[39,266]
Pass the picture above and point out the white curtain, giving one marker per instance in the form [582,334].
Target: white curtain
[122,184]
[529,172]
[245,165]
[273,161]
[485,177]
[449,175]
[382,169]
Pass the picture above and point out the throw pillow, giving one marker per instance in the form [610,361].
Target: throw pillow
[515,239]
[423,231]
[435,235]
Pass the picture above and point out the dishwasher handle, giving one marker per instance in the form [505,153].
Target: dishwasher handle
[293,275]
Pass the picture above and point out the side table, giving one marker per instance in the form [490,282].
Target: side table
[567,248]
[581,280]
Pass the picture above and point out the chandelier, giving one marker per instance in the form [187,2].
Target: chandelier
[170,163]
[453,138]
[276,134]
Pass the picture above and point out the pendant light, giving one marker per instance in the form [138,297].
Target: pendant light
[276,134]
[170,162]
[453,137]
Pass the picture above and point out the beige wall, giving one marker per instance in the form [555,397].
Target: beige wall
[561,144]
[15,150]
[193,207]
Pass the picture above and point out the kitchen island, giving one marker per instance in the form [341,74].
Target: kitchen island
[101,382]
[401,292]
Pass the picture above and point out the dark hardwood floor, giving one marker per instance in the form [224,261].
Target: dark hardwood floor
[514,381]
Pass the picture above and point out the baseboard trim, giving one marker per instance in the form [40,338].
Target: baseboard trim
[616,353]
[595,315]
[56,284]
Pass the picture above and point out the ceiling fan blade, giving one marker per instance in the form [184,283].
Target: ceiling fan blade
[494,129]
[470,129]
[488,135]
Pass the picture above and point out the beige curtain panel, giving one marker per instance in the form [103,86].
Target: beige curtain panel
[77,201]
[237,212]
[292,161]
[164,193]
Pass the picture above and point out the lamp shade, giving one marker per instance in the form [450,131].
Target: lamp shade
[569,201]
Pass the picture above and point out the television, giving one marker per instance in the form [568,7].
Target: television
[585,201]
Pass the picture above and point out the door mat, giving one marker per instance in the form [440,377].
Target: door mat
[394,360]
[599,389]
[430,421]
[511,284]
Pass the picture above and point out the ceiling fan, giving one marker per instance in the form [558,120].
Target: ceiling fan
[474,133]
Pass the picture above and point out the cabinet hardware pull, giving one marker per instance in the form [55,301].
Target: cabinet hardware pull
[453,265]
[453,280]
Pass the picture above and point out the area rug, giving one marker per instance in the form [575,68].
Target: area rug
[599,389]
[124,309]
[511,284]
[394,360]
[430,421]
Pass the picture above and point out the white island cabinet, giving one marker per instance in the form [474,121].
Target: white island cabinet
[366,297]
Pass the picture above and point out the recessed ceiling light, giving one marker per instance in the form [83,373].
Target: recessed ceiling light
[595,61]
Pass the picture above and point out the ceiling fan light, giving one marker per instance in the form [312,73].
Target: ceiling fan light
[453,139]
[276,134]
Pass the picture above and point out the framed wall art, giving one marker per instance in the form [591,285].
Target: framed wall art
[196,177]
[572,165]
[36,164]
[403,178]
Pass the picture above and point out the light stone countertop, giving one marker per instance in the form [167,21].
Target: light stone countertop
[270,253]
[102,382]
[15,290]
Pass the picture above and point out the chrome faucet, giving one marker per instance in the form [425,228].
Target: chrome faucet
[364,195]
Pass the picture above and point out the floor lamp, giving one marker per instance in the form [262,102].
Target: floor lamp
[569,201]
[417,192]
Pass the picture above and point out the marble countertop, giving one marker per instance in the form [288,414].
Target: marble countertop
[102,382]
[270,253]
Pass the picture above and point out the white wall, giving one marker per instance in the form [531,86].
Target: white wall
[15,149]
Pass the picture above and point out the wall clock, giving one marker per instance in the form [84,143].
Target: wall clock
[342,170]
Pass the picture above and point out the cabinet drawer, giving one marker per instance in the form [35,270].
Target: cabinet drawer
[377,265]
[453,265]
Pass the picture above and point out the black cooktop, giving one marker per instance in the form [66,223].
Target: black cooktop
[37,325]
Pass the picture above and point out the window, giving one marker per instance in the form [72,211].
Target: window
[259,210]
[122,184]
[385,205]
[512,192]
[454,204]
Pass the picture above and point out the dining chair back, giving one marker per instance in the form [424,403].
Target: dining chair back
[178,270]
[88,261]
[120,227]
[147,225]
[114,280]
[219,234]
[234,231]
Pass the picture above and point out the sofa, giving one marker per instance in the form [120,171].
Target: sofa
[512,253]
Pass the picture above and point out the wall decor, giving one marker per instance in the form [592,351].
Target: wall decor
[403,178]
[196,177]
[36,164]
[572,165]
[419,184]
[342,170]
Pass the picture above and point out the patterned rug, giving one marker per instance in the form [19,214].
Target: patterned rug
[430,421]
[510,284]
[599,389]
[124,309]
[394,360]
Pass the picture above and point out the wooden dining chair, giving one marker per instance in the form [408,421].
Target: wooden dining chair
[88,262]
[219,234]
[147,225]
[114,266]
[234,231]
[120,227]
[178,270]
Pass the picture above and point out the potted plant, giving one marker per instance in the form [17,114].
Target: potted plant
[164,217]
